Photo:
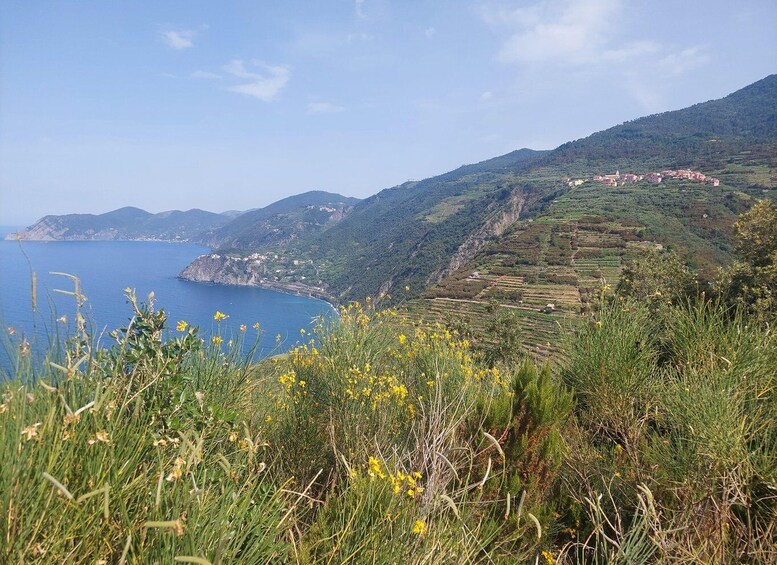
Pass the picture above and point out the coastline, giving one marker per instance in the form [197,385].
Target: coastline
[293,288]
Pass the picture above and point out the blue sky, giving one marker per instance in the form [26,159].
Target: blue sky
[235,104]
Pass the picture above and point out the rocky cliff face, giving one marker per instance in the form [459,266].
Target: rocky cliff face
[495,226]
[246,271]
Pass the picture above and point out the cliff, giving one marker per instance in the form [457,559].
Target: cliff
[254,270]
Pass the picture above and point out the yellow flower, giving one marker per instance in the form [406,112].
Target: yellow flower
[549,559]
[256,326]
[218,316]
[181,327]
[420,528]
[402,339]
[375,469]
[217,340]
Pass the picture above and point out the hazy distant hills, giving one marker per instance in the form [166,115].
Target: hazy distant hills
[278,222]
[125,223]
[282,221]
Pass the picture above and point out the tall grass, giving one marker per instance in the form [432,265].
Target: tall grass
[382,439]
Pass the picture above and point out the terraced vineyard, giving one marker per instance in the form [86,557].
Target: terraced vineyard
[548,269]
[544,271]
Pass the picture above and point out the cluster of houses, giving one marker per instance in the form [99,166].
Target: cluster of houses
[619,179]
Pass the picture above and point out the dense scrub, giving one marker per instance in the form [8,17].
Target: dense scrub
[382,439]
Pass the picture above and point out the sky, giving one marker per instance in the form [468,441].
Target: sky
[233,105]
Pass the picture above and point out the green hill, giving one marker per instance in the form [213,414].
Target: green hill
[282,221]
[521,209]
[125,223]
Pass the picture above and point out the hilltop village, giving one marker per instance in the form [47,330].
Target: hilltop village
[619,179]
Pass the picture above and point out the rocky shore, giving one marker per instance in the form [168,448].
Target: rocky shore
[246,271]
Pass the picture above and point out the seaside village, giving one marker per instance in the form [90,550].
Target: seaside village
[619,179]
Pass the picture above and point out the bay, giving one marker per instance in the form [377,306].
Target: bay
[106,268]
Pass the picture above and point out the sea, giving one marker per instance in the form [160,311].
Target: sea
[106,268]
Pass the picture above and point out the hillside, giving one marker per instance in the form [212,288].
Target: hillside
[281,221]
[408,235]
[125,223]
[536,223]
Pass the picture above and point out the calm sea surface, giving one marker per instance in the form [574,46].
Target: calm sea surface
[107,267]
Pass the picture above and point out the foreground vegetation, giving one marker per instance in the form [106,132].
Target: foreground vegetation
[385,439]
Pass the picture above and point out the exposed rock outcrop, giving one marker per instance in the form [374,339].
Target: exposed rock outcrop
[246,271]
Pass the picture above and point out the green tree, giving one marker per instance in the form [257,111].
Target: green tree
[656,277]
[752,281]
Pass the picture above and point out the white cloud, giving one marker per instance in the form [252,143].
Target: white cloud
[567,32]
[182,39]
[429,32]
[487,95]
[265,86]
[205,75]
[685,60]
[324,108]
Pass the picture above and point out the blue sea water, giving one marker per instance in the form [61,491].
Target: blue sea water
[106,268]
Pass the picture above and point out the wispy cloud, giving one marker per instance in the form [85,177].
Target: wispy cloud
[561,31]
[179,39]
[265,85]
[205,75]
[324,108]
[487,95]
[358,6]
[685,60]
[429,32]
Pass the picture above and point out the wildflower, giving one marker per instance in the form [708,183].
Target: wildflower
[420,528]
[218,316]
[31,431]
[233,437]
[216,339]
[242,328]
[181,326]
[71,419]
[402,339]
[177,471]
[549,559]
[256,326]
[101,436]
[375,469]
[62,319]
